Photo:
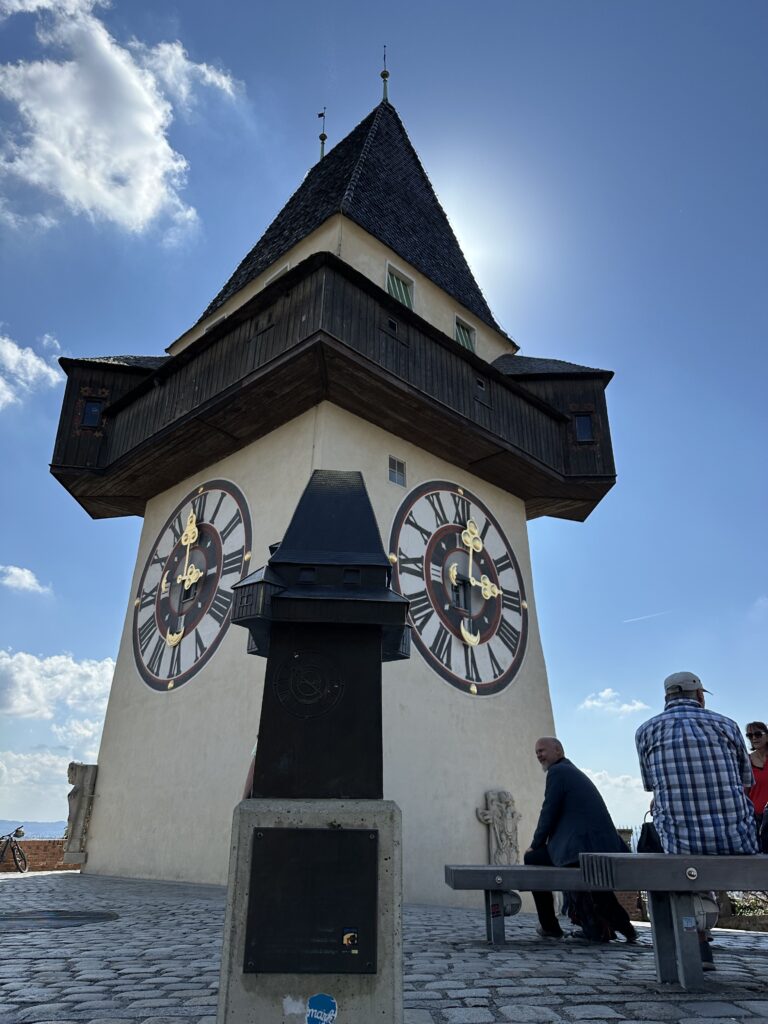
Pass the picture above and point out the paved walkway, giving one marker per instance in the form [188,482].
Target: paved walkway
[157,962]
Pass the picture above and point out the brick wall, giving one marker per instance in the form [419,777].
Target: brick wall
[42,855]
[630,901]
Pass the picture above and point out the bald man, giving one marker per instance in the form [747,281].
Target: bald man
[573,820]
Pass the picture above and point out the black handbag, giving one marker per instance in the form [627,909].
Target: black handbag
[648,841]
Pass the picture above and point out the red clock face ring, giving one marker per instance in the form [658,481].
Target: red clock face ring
[183,602]
[468,607]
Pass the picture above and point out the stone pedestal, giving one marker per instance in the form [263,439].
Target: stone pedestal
[314,998]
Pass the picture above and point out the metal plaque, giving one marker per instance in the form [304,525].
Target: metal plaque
[313,901]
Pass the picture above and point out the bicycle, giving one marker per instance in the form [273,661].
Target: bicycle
[19,857]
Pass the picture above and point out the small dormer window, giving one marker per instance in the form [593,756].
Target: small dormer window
[92,413]
[464,334]
[400,287]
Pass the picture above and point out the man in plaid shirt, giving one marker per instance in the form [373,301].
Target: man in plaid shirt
[697,766]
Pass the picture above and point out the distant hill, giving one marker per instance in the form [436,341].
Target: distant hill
[35,829]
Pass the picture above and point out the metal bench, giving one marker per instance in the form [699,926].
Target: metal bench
[498,880]
[669,879]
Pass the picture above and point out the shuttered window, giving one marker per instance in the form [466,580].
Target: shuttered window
[464,335]
[400,289]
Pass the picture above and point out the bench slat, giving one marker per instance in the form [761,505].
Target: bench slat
[520,877]
[667,872]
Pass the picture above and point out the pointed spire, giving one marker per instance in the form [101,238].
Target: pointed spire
[374,177]
[323,136]
[385,77]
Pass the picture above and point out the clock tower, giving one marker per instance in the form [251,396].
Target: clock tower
[353,337]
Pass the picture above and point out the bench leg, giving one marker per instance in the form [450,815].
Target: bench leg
[494,917]
[675,939]
[689,969]
[663,931]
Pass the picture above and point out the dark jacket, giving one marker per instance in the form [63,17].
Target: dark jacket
[574,818]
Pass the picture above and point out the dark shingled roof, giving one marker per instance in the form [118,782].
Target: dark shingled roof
[530,366]
[375,178]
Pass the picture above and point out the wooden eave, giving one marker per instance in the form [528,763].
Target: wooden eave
[345,371]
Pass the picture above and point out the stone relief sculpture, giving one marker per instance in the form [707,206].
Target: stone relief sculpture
[501,817]
[82,778]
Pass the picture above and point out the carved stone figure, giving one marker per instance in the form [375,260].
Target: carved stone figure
[501,817]
[82,778]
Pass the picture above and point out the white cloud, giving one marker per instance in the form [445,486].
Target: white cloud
[92,128]
[33,784]
[624,796]
[81,735]
[37,767]
[16,578]
[22,371]
[171,67]
[35,687]
[607,700]
[51,341]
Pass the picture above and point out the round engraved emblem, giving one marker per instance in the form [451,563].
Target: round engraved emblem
[307,684]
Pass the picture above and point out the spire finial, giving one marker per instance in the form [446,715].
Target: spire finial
[384,77]
[323,136]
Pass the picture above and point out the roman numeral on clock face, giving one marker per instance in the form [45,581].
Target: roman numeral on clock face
[198,506]
[421,610]
[509,636]
[438,508]
[174,669]
[146,631]
[411,521]
[413,566]
[441,646]
[231,526]
[470,664]
[462,509]
[233,562]
[502,563]
[220,605]
[148,597]
[511,600]
[155,660]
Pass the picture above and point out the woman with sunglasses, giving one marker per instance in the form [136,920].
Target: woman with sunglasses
[757,734]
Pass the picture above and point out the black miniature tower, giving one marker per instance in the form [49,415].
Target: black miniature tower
[323,614]
[315,884]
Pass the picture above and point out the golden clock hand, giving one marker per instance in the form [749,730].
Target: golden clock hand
[470,538]
[188,538]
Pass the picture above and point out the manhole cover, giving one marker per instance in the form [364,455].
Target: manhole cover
[27,920]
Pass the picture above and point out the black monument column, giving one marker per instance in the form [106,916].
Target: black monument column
[315,883]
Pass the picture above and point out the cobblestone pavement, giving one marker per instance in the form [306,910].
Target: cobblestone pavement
[157,962]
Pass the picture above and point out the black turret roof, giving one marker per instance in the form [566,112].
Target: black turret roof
[375,178]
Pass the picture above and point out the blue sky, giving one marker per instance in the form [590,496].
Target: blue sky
[604,166]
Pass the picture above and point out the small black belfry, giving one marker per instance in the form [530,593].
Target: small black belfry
[324,615]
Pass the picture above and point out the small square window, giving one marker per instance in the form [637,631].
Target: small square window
[400,288]
[392,325]
[465,335]
[396,471]
[92,414]
[584,431]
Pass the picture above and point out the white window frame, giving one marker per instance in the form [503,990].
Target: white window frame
[395,469]
[460,321]
[404,279]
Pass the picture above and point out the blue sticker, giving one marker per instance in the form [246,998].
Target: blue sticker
[321,1009]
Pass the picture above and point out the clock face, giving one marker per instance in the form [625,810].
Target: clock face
[468,608]
[183,603]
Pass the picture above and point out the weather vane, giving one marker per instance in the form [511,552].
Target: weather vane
[385,76]
[323,136]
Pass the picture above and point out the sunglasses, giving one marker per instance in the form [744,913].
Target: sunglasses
[755,735]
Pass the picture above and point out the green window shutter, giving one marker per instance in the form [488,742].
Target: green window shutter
[464,336]
[399,289]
